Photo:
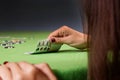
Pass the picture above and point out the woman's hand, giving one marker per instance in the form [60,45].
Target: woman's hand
[71,37]
[26,71]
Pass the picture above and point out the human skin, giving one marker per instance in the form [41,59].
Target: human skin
[69,36]
[26,71]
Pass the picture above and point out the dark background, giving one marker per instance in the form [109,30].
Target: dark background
[41,15]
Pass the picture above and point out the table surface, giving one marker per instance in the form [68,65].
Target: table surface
[68,63]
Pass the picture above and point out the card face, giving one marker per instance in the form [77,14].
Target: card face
[45,46]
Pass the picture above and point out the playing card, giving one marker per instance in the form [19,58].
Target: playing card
[46,46]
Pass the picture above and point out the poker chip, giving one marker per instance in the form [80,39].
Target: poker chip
[11,43]
[3,44]
[17,41]
[6,47]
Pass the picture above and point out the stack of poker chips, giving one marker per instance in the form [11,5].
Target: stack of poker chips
[10,43]
[7,44]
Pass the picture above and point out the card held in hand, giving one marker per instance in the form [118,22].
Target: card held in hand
[45,46]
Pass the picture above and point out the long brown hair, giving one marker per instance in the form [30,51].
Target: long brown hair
[103,19]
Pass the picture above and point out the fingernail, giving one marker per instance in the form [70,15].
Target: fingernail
[52,40]
[5,62]
[0,78]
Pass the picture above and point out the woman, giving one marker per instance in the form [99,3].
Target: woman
[104,30]
[102,21]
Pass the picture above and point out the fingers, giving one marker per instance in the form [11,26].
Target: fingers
[26,67]
[32,72]
[46,70]
[25,71]
[64,35]
[62,40]
[61,32]
[61,35]
[5,73]
[15,69]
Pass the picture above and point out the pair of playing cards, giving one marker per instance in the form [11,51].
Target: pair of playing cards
[45,46]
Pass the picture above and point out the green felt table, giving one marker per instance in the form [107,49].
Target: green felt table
[68,63]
